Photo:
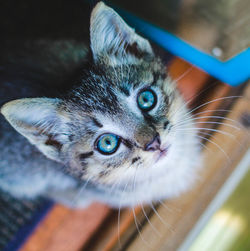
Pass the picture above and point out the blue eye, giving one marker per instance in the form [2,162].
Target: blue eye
[146,100]
[107,143]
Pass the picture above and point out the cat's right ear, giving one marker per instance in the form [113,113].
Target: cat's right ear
[41,121]
[113,41]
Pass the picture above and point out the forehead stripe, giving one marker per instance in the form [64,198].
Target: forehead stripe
[86,155]
[157,76]
[97,123]
[125,91]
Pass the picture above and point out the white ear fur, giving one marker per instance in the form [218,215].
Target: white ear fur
[110,35]
[39,120]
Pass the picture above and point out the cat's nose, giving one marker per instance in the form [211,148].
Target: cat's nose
[154,144]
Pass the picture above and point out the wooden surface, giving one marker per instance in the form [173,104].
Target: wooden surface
[65,229]
[96,228]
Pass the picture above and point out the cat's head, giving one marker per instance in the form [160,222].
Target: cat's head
[119,122]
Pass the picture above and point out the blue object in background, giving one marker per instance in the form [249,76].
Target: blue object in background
[233,72]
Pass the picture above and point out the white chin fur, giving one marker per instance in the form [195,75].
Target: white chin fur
[168,178]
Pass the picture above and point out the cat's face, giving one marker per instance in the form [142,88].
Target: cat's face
[119,122]
[121,119]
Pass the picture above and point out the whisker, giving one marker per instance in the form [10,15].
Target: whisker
[138,229]
[204,117]
[202,128]
[207,148]
[189,113]
[218,146]
[168,208]
[211,122]
[224,133]
[119,213]
[211,101]
[78,194]
[118,225]
[212,136]
[150,223]
[184,74]
[213,110]
[195,96]
[161,219]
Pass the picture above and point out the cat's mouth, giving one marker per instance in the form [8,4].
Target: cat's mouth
[161,153]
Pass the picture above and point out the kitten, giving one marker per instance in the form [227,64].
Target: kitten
[115,136]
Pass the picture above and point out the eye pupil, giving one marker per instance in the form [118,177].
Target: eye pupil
[107,143]
[146,100]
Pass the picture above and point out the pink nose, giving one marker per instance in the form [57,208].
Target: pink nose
[154,144]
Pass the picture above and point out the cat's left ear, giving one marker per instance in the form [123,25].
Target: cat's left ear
[112,40]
